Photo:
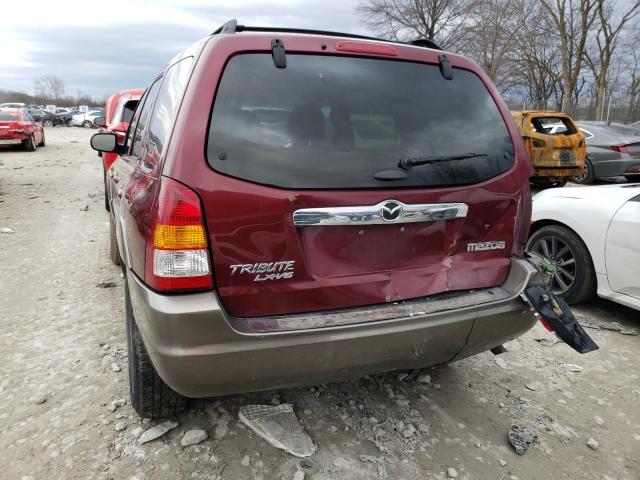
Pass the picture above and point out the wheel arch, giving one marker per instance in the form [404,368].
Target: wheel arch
[538,224]
[545,222]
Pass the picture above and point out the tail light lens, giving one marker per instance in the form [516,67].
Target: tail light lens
[633,149]
[177,257]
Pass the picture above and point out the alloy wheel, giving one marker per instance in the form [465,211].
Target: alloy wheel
[560,254]
[585,176]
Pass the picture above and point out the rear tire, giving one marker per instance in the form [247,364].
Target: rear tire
[47,123]
[150,396]
[87,124]
[30,144]
[42,143]
[587,176]
[114,253]
[575,261]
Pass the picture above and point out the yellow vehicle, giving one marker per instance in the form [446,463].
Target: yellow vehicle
[555,144]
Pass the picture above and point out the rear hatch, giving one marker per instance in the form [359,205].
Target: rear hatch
[554,142]
[308,208]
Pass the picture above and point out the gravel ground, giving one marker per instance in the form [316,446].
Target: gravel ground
[63,377]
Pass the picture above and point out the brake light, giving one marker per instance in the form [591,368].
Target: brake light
[633,150]
[177,257]
[362,47]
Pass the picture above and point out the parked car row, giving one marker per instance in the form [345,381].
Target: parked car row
[335,204]
[50,117]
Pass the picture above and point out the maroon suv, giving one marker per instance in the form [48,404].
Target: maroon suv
[292,207]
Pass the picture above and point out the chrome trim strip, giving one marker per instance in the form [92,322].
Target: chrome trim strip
[373,215]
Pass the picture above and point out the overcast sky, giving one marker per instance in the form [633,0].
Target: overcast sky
[98,48]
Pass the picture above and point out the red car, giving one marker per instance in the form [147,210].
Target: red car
[118,110]
[293,207]
[17,127]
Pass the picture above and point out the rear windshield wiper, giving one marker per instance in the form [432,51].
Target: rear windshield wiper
[407,163]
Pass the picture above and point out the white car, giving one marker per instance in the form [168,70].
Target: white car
[86,119]
[591,234]
[12,105]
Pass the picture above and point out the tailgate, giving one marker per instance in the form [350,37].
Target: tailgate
[562,145]
[270,266]
[308,208]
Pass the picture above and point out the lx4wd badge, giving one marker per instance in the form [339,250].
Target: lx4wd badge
[266,271]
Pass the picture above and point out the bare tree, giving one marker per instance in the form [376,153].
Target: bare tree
[490,37]
[611,25]
[573,20]
[50,86]
[440,20]
[633,88]
[537,68]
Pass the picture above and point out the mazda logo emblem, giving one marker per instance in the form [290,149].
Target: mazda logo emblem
[391,211]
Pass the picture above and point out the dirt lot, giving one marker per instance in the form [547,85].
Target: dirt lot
[63,361]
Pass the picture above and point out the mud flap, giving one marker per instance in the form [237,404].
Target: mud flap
[555,313]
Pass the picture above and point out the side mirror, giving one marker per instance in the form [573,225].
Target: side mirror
[99,122]
[104,142]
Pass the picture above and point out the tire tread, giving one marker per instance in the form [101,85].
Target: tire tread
[151,397]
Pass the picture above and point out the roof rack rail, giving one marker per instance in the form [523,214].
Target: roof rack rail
[232,26]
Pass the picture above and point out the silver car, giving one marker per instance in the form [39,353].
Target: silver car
[612,150]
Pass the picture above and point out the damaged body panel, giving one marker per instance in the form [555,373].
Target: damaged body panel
[200,350]
[556,146]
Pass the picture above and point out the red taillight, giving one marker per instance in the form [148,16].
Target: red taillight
[633,150]
[177,257]
[545,324]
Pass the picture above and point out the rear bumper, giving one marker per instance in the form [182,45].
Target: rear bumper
[200,351]
[557,171]
[11,141]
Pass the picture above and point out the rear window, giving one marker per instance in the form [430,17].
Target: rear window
[334,122]
[8,116]
[553,125]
